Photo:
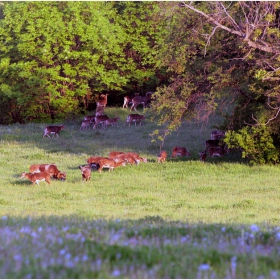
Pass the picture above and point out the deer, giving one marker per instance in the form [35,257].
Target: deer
[217,151]
[85,125]
[49,168]
[112,122]
[203,155]
[86,172]
[109,163]
[135,118]
[162,156]
[100,120]
[102,101]
[53,129]
[127,100]
[180,151]
[211,143]
[35,168]
[88,121]
[37,177]
[144,100]
[93,160]
[127,157]
[114,154]
[136,157]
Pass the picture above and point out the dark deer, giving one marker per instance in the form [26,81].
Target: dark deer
[144,100]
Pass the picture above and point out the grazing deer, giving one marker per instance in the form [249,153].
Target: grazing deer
[86,172]
[162,156]
[135,118]
[128,158]
[93,160]
[144,100]
[114,154]
[136,157]
[49,168]
[111,122]
[53,129]
[100,120]
[120,159]
[127,100]
[180,151]
[109,163]
[37,177]
[35,168]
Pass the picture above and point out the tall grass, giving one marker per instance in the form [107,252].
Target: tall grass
[180,219]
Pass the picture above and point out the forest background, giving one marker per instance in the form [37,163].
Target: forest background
[199,58]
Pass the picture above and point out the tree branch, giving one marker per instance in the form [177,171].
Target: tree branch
[260,44]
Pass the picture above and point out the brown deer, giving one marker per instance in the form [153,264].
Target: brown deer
[109,163]
[126,158]
[53,129]
[37,177]
[35,168]
[93,160]
[162,156]
[100,120]
[114,154]
[112,122]
[144,100]
[86,172]
[136,157]
[127,100]
[85,125]
[135,118]
[180,151]
[49,168]
[102,101]
[87,122]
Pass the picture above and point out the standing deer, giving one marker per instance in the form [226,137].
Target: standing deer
[86,172]
[100,120]
[162,156]
[102,101]
[37,177]
[144,100]
[112,122]
[135,118]
[127,100]
[53,129]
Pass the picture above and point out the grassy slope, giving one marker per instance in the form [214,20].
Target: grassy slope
[219,191]
[138,221]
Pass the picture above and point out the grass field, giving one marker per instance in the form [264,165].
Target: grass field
[180,219]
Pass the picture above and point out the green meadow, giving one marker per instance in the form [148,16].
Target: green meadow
[178,219]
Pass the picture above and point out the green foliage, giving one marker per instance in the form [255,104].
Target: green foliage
[256,144]
[50,71]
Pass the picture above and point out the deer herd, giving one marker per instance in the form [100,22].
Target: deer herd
[46,172]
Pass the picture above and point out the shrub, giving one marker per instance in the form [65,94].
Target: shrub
[255,143]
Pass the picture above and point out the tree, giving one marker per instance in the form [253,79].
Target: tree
[227,60]
[55,70]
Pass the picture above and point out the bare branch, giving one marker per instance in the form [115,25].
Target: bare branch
[260,44]
[273,117]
